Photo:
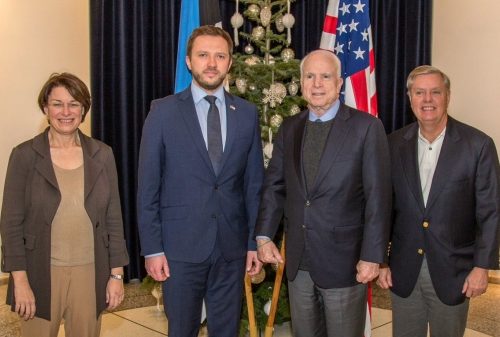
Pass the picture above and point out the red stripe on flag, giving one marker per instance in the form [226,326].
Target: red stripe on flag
[330,25]
[372,60]
[359,88]
[373,105]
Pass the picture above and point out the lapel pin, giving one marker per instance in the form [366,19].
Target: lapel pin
[232,107]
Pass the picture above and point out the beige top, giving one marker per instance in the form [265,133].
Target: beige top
[72,238]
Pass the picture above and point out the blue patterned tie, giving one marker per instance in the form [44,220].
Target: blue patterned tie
[214,137]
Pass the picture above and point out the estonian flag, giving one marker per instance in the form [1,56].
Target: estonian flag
[194,13]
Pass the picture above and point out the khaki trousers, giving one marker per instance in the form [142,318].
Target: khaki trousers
[73,299]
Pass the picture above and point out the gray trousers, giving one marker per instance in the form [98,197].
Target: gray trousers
[318,312]
[412,315]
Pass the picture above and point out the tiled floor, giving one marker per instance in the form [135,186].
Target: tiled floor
[147,321]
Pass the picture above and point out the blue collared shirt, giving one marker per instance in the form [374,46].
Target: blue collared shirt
[329,115]
[202,106]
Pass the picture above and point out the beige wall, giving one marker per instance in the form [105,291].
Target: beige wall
[38,38]
[466,46]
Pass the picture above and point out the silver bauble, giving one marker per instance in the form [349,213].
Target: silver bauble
[252,87]
[258,33]
[287,54]
[265,16]
[249,49]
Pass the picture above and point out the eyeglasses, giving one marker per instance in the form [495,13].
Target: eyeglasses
[71,106]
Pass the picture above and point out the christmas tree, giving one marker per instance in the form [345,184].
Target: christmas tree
[267,73]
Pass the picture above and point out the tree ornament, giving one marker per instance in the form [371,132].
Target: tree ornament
[288,22]
[280,27]
[258,33]
[249,49]
[274,95]
[268,150]
[265,16]
[287,54]
[276,121]
[252,60]
[267,307]
[256,279]
[293,88]
[241,84]
[294,110]
[236,22]
[253,10]
[252,87]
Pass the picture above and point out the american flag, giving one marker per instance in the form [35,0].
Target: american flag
[347,32]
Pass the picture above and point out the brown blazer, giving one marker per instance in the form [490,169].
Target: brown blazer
[30,201]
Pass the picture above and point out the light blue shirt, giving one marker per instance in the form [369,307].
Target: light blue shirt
[202,106]
[328,116]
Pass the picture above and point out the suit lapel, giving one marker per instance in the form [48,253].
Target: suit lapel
[231,128]
[408,153]
[298,140]
[44,166]
[334,142]
[91,168]
[188,112]
[445,161]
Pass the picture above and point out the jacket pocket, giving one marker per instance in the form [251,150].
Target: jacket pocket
[348,233]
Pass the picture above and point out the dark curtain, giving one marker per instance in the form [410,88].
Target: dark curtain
[133,55]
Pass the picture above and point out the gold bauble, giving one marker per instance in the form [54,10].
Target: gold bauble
[256,279]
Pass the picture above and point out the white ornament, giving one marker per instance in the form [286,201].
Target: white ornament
[274,95]
[265,16]
[236,22]
[268,150]
[267,307]
[288,22]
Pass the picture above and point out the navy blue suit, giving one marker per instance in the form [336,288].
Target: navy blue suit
[194,216]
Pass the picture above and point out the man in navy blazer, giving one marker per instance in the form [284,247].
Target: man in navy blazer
[446,182]
[197,212]
[329,177]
